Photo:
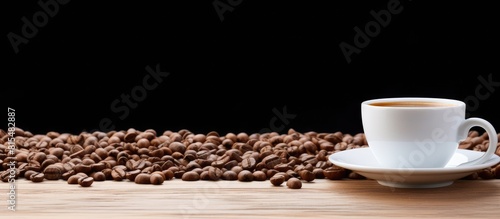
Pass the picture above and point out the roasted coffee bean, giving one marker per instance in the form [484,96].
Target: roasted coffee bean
[143,178]
[237,169]
[28,173]
[277,179]
[294,183]
[355,175]
[156,179]
[245,176]
[107,173]
[229,175]
[248,163]
[307,175]
[259,176]
[283,174]
[168,174]
[5,176]
[53,172]
[318,173]
[161,174]
[82,168]
[204,175]
[118,174]
[214,173]
[85,181]
[98,176]
[67,174]
[271,161]
[334,173]
[73,179]
[130,175]
[190,176]
[37,177]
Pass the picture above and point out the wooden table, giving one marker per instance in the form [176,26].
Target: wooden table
[321,198]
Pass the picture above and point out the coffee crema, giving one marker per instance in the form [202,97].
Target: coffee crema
[411,104]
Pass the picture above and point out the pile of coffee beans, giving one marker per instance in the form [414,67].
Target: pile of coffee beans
[148,157]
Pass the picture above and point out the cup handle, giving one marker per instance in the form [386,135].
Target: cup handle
[465,127]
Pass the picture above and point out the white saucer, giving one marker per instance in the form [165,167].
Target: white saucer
[362,161]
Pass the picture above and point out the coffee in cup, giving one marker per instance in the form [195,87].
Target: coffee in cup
[419,132]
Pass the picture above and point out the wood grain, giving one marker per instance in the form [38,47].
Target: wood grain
[321,198]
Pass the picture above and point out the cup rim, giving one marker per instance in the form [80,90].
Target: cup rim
[446,101]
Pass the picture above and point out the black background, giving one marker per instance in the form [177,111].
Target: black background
[234,74]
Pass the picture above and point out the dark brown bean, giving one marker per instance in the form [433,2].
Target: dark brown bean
[28,173]
[307,175]
[248,163]
[118,174]
[143,178]
[53,172]
[259,175]
[73,179]
[229,175]
[190,176]
[214,173]
[294,183]
[334,173]
[98,176]
[37,177]
[85,181]
[156,179]
[245,176]
[277,179]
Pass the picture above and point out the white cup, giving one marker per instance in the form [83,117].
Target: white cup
[419,132]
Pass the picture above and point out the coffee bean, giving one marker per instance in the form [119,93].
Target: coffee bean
[118,174]
[107,173]
[37,177]
[5,176]
[318,173]
[67,174]
[82,168]
[294,183]
[277,179]
[96,167]
[130,175]
[156,179]
[248,163]
[143,178]
[237,169]
[271,160]
[85,181]
[229,175]
[355,175]
[245,176]
[259,175]
[190,176]
[204,175]
[73,179]
[214,173]
[98,176]
[334,173]
[307,175]
[52,172]
[28,173]
[168,174]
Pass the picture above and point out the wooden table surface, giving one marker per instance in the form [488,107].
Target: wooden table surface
[321,198]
